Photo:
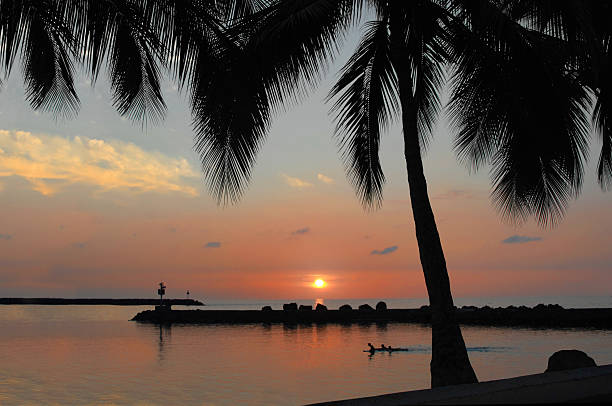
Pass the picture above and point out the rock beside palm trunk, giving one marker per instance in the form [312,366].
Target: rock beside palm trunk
[569,359]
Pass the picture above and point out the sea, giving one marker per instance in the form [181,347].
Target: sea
[94,355]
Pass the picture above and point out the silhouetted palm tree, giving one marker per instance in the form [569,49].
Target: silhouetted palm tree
[398,70]
[523,73]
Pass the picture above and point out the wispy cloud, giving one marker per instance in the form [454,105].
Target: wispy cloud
[296,183]
[519,239]
[50,162]
[213,244]
[385,251]
[301,231]
[5,236]
[325,179]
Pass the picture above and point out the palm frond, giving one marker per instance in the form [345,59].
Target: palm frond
[518,107]
[235,10]
[135,76]
[122,34]
[602,115]
[241,75]
[46,62]
[231,118]
[424,46]
[366,101]
[569,20]
[12,20]
[182,28]
[291,43]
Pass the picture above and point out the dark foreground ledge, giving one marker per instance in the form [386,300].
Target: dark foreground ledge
[535,317]
[583,385]
[118,302]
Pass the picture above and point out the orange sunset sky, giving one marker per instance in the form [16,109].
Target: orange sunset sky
[96,206]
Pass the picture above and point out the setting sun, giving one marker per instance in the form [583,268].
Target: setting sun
[319,283]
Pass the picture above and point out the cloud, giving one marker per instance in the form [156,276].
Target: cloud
[325,179]
[213,244]
[386,251]
[5,236]
[301,231]
[50,162]
[79,245]
[296,183]
[519,239]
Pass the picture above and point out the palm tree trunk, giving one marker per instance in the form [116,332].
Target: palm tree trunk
[450,364]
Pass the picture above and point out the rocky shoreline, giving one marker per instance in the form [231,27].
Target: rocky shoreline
[541,316]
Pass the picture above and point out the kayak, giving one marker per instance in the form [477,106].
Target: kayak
[389,350]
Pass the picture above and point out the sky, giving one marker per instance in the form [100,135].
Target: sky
[98,206]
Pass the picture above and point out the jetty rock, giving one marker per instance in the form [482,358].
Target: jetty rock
[320,307]
[554,318]
[569,359]
[266,309]
[366,308]
[305,308]
[381,306]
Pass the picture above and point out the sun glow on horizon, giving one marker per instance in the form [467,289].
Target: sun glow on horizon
[319,283]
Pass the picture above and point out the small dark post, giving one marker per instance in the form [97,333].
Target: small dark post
[187,294]
[161,292]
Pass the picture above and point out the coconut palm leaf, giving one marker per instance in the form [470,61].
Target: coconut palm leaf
[46,63]
[118,31]
[585,26]
[292,42]
[184,26]
[134,73]
[600,67]
[234,10]
[243,74]
[424,47]
[231,117]
[602,115]
[12,19]
[37,30]
[518,107]
[366,101]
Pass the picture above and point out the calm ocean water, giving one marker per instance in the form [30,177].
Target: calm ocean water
[94,355]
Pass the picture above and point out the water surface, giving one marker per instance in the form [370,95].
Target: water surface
[94,355]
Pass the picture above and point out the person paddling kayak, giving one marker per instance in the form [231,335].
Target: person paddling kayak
[383,347]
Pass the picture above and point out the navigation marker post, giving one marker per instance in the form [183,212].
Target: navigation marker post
[161,292]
